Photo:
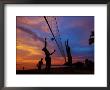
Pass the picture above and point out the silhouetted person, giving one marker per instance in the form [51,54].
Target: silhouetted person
[40,63]
[89,64]
[23,68]
[86,61]
[68,50]
[47,57]
[79,65]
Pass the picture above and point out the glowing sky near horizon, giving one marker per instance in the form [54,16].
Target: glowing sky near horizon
[31,31]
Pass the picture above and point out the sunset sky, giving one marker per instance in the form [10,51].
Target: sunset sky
[31,31]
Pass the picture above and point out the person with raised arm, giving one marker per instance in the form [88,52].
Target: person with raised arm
[47,56]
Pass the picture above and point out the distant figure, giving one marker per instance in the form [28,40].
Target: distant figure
[89,64]
[79,65]
[86,61]
[68,50]
[47,57]
[40,63]
[23,68]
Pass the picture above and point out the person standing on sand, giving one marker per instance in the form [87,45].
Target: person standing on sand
[23,67]
[40,63]
[47,57]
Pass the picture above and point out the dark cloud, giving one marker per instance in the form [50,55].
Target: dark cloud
[29,31]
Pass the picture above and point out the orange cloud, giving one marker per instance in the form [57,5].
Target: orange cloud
[37,23]
[28,51]
[29,20]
